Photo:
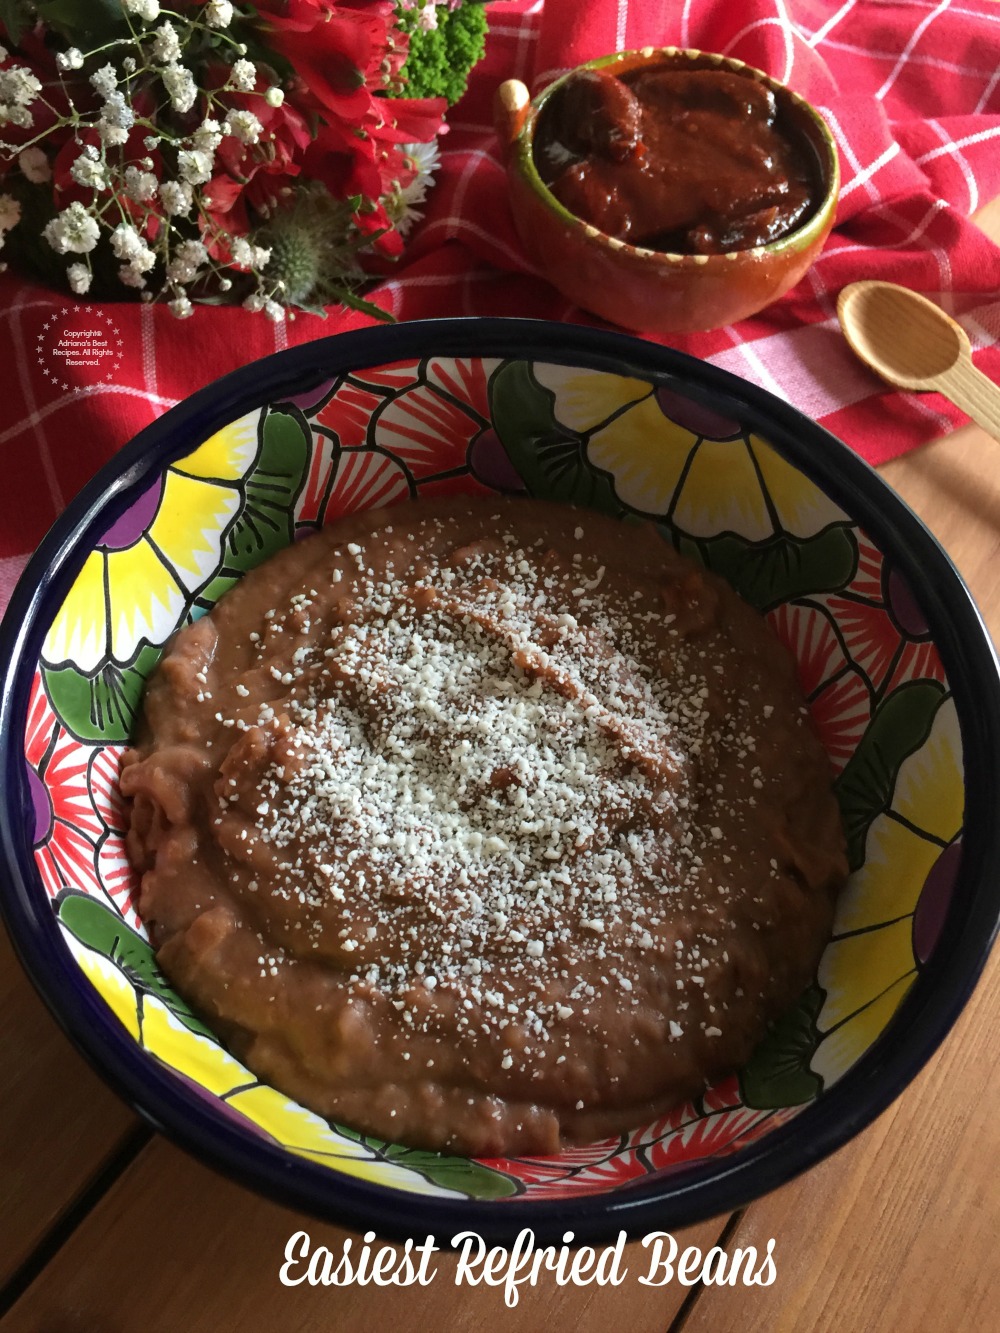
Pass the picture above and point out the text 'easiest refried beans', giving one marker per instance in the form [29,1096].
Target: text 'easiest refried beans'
[484,825]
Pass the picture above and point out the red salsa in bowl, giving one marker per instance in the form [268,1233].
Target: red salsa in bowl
[691,161]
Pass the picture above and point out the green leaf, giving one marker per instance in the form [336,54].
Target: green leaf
[783,567]
[102,930]
[453,1173]
[87,24]
[549,459]
[864,789]
[266,522]
[778,1072]
[15,15]
[102,707]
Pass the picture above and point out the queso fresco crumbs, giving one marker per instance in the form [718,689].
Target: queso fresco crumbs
[484,826]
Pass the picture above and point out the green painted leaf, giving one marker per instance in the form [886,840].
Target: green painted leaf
[103,707]
[454,1173]
[778,1072]
[266,522]
[864,789]
[102,930]
[783,567]
[550,459]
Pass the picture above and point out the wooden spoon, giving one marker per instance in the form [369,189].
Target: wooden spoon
[913,344]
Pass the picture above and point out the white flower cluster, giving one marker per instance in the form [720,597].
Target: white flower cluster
[18,89]
[136,205]
[10,215]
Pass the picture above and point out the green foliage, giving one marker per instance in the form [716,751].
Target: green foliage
[84,25]
[439,62]
[15,19]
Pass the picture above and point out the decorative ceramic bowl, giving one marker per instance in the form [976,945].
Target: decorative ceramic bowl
[634,286]
[893,658]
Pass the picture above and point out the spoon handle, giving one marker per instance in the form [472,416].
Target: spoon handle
[977,396]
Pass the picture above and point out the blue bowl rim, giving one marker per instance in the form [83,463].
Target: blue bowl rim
[687,1194]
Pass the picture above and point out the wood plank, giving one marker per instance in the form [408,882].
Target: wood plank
[59,1124]
[897,1230]
[173,1246]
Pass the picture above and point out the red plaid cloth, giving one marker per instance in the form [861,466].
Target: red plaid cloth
[910,89]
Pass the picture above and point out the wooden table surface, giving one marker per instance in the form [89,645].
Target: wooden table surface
[106,1228]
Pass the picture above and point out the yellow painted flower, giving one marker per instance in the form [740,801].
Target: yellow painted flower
[891,910]
[668,456]
[110,983]
[135,585]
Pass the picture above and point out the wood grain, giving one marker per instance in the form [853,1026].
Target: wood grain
[59,1124]
[174,1247]
[898,1230]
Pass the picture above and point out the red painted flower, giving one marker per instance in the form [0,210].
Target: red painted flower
[66,827]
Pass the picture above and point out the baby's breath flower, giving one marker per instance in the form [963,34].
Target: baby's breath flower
[88,173]
[104,80]
[188,257]
[126,242]
[34,165]
[255,303]
[274,97]
[10,212]
[18,85]
[147,10]
[117,112]
[79,277]
[243,76]
[218,13]
[194,166]
[166,48]
[112,136]
[130,277]
[71,59]
[151,141]
[242,252]
[140,186]
[177,198]
[244,125]
[207,136]
[129,65]
[72,231]
[181,87]
[181,307]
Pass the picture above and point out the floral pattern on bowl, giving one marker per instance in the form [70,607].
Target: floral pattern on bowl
[626,446]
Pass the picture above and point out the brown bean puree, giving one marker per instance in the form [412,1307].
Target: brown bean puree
[686,161]
[484,825]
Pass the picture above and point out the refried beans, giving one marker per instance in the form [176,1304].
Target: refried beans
[486,826]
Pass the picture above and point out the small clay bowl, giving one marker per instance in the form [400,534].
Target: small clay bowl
[648,290]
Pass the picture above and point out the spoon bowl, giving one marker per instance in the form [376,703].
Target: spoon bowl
[913,344]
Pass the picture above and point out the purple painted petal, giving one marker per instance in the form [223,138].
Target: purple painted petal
[309,398]
[695,418]
[41,805]
[126,530]
[904,607]
[488,460]
[935,898]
